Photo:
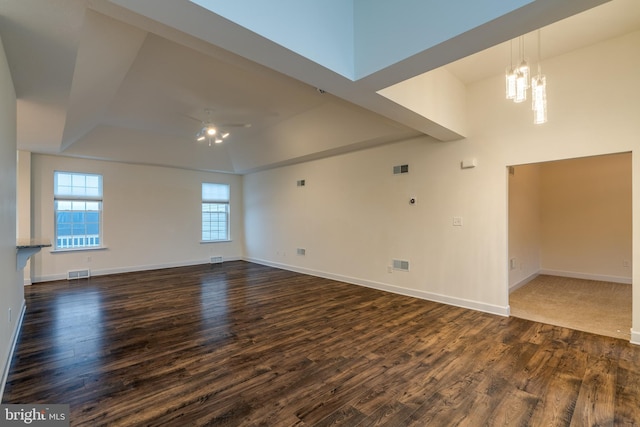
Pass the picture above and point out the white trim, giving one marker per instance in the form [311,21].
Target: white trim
[91,248]
[132,269]
[14,341]
[429,296]
[635,337]
[26,282]
[587,276]
[523,282]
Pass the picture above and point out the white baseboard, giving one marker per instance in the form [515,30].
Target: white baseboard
[132,269]
[429,296]
[523,282]
[587,276]
[14,341]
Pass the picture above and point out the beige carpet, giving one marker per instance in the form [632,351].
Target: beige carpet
[603,308]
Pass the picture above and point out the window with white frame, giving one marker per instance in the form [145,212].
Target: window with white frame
[215,212]
[78,210]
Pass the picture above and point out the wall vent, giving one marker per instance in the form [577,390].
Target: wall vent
[301,183]
[215,260]
[400,169]
[399,264]
[301,251]
[78,274]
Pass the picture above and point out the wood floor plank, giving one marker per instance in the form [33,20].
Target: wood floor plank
[595,402]
[242,344]
[627,396]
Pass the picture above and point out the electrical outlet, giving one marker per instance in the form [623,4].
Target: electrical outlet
[626,263]
[457,221]
[512,264]
[9,314]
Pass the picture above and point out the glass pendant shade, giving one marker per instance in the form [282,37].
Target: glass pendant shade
[539,101]
[523,68]
[540,116]
[521,87]
[522,81]
[510,80]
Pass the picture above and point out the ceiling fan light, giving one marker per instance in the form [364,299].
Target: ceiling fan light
[212,134]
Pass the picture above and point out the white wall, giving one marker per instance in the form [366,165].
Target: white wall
[24,204]
[524,224]
[571,218]
[151,218]
[354,217]
[11,290]
[437,95]
[585,210]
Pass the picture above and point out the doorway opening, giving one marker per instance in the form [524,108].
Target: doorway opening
[570,243]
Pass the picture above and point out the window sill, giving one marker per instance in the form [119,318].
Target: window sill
[204,242]
[59,251]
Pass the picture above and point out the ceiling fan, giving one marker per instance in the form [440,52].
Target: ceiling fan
[213,133]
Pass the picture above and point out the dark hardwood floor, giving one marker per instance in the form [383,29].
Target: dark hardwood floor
[244,344]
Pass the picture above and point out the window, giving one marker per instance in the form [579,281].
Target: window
[215,212]
[78,210]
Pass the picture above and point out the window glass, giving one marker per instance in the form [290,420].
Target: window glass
[78,210]
[215,212]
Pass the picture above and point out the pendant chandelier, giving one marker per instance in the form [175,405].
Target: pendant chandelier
[518,82]
[539,92]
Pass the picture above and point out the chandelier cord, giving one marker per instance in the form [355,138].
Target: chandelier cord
[539,54]
[511,53]
[521,40]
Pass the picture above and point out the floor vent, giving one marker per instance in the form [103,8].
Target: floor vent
[216,260]
[78,274]
[399,264]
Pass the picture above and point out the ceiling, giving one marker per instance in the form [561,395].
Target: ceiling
[130,81]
